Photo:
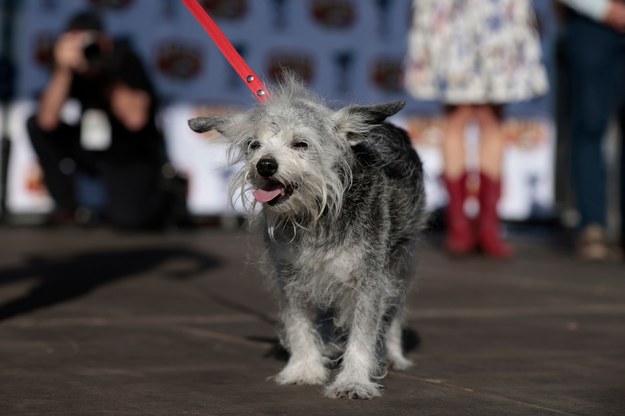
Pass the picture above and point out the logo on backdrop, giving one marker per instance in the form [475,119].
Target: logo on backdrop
[44,49]
[299,63]
[386,74]
[178,59]
[226,9]
[526,134]
[34,182]
[334,14]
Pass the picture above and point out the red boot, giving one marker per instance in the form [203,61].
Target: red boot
[460,239]
[488,234]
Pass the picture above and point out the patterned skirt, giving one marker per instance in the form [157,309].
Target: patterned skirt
[474,52]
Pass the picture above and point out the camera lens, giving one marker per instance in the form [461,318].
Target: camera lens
[92,52]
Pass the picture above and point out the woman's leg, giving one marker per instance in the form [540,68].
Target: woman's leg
[492,143]
[454,155]
[58,152]
[460,238]
[596,73]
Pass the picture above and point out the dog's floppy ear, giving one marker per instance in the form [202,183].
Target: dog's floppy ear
[355,121]
[376,114]
[202,124]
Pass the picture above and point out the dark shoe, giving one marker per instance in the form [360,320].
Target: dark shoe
[591,244]
[87,218]
[59,218]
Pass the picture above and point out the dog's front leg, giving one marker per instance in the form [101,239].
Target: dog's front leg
[359,359]
[306,364]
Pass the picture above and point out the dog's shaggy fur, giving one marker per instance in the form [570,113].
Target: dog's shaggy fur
[342,206]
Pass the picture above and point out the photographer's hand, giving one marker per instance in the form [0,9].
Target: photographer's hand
[130,106]
[68,52]
[615,16]
[68,59]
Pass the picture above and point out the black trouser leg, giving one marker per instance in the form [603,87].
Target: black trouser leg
[596,68]
[56,151]
[622,176]
[134,195]
[135,199]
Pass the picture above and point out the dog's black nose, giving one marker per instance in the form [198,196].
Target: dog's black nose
[267,167]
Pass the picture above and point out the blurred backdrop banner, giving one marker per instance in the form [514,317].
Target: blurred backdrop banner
[346,50]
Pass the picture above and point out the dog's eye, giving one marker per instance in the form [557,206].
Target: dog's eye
[253,145]
[300,145]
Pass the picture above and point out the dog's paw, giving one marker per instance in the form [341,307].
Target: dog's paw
[400,363]
[354,390]
[302,373]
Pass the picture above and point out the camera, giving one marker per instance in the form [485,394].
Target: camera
[93,51]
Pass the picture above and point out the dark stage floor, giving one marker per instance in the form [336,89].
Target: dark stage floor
[96,322]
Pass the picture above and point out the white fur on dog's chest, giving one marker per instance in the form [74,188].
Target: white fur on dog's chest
[318,268]
[336,265]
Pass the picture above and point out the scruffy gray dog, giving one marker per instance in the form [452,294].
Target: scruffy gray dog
[342,206]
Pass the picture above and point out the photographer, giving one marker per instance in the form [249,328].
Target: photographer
[116,140]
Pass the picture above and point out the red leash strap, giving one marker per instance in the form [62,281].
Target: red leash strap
[229,52]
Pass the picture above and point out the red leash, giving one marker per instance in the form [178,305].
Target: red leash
[229,52]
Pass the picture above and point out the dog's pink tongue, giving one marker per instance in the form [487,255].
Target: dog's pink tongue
[263,196]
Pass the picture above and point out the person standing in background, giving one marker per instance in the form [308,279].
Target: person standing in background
[594,39]
[474,56]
